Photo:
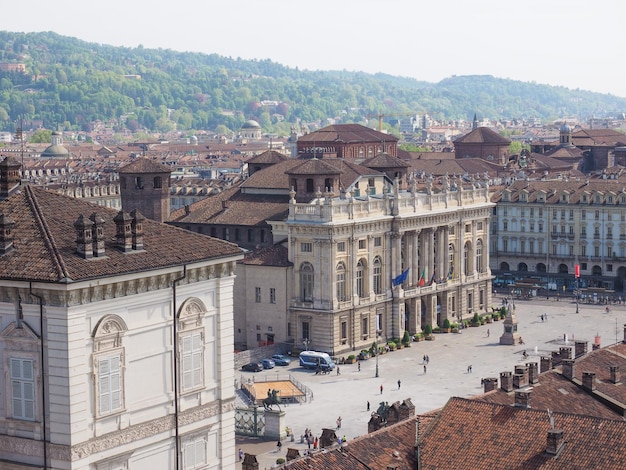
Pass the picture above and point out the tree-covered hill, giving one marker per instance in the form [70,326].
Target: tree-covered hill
[70,83]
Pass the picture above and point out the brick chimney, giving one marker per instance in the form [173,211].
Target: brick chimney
[589,380]
[580,348]
[490,383]
[137,229]
[123,232]
[506,381]
[292,454]
[9,177]
[556,358]
[84,239]
[520,379]
[615,375]
[546,363]
[533,372]
[522,398]
[568,368]
[565,352]
[97,234]
[624,340]
[555,441]
[6,234]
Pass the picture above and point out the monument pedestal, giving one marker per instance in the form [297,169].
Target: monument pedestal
[275,424]
[510,335]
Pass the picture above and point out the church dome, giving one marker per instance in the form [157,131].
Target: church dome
[251,124]
[566,129]
[55,151]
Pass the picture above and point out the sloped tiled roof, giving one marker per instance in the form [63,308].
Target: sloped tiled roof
[275,255]
[144,165]
[268,157]
[552,189]
[44,247]
[483,135]
[384,160]
[475,435]
[346,133]
[232,207]
[313,166]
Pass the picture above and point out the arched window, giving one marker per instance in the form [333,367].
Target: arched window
[360,278]
[504,266]
[563,269]
[541,268]
[341,282]
[378,276]
[306,282]
[522,267]
[479,256]
[467,259]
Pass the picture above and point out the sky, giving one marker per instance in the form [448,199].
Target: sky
[576,44]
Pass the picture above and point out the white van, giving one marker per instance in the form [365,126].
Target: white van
[315,359]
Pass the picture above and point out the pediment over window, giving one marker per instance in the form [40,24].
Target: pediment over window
[23,332]
[108,333]
[191,313]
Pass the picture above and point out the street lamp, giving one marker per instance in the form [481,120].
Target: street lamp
[377,354]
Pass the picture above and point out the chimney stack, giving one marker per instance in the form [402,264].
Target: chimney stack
[123,232]
[580,348]
[615,374]
[589,380]
[137,229]
[565,352]
[533,372]
[555,441]
[522,398]
[568,367]
[249,462]
[520,379]
[84,239]
[97,234]
[6,234]
[490,383]
[506,381]
[546,363]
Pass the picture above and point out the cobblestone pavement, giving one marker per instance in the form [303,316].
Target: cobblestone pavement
[346,395]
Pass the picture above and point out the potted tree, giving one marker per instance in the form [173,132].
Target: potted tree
[428,332]
[406,339]
[446,326]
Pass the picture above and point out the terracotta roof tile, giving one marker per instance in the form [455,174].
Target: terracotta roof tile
[44,247]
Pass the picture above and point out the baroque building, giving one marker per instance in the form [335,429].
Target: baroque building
[543,229]
[371,267]
[115,337]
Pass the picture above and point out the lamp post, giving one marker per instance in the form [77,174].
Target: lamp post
[577,276]
[377,354]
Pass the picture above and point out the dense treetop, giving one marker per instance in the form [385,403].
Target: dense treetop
[70,83]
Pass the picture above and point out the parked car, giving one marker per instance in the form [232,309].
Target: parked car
[253,367]
[268,363]
[281,360]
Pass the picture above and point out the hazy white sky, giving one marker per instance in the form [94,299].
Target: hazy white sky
[575,43]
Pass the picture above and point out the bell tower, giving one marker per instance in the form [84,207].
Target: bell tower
[145,186]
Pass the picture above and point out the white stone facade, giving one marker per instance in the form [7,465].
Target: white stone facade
[108,365]
[346,253]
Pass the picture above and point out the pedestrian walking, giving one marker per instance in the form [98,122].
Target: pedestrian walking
[338,373]
[542,317]
[339,423]
[368,406]
[424,359]
[427,359]
[279,445]
[488,332]
[240,454]
[359,367]
[399,383]
[315,443]
[381,389]
[424,368]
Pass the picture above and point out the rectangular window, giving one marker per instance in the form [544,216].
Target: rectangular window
[23,388]
[583,214]
[364,325]
[306,247]
[609,268]
[479,226]
[583,266]
[109,384]
[272,295]
[289,329]
[263,236]
[378,241]
[305,330]
[341,247]
[250,235]
[237,235]
[257,295]
[344,330]
[194,453]
[571,250]
[583,250]
[192,361]
[362,244]
[468,228]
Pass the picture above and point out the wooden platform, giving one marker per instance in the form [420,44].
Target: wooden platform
[287,390]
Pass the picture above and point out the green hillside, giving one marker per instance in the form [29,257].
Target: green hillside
[70,83]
